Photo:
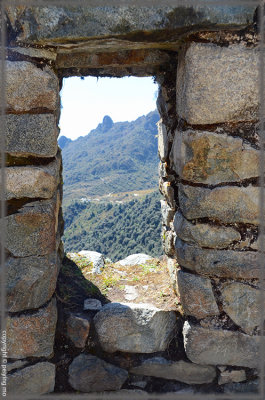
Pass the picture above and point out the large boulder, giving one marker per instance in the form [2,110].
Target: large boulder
[135,259]
[88,373]
[181,371]
[95,258]
[135,328]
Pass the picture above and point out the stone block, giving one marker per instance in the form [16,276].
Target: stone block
[135,328]
[227,204]
[35,379]
[196,295]
[217,84]
[45,25]
[211,158]
[216,346]
[232,376]
[88,373]
[32,230]
[167,213]
[172,270]
[30,281]
[29,87]
[31,135]
[181,371]
[162,140]
[167,190]
[77,329]
[32,181]
[168,242]
[241,303]
[204,235]
[218,263]
[34,52]
[32,335]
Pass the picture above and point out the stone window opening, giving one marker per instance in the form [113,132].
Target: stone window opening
[209,150]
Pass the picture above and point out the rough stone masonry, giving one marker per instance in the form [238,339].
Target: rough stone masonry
[206,61]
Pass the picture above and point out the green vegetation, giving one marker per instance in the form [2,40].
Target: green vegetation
[116,230]
[110,164]
[112,158]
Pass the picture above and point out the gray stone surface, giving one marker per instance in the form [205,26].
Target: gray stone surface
[32,181]
[167,213]
[204,235]
[246,387]
[30,281]
[32,230]
[242,303]
[218,84]
[15,365]
[196,295]
[77,329]
[92,304]
[167,190]
[35,379]
[34,52]
[162,140]
[228,204]
[45,25]
[31,135]
[172,268]
[223,264]
[95,258]
[168,242]
[135,259]
[135,328]
[88,373]
[211,158]
[232,376]
[32,335]
[217,346]
[182,371]
[29,87]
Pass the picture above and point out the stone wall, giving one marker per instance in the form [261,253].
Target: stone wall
[209,149]
[209,173]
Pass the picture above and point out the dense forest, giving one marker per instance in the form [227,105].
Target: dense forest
[115,230]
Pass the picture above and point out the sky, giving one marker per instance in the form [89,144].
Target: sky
[86,101]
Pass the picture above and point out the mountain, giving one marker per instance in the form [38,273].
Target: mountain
[113,158]
[111,201]
[63,141]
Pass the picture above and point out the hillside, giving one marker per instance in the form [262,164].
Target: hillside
[116,230]
[113,158]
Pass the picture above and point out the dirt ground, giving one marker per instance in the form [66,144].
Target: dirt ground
[146,283]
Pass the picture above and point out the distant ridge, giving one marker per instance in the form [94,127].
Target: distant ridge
[63,141]
[113,158]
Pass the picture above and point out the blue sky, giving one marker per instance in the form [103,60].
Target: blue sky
[86,102]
